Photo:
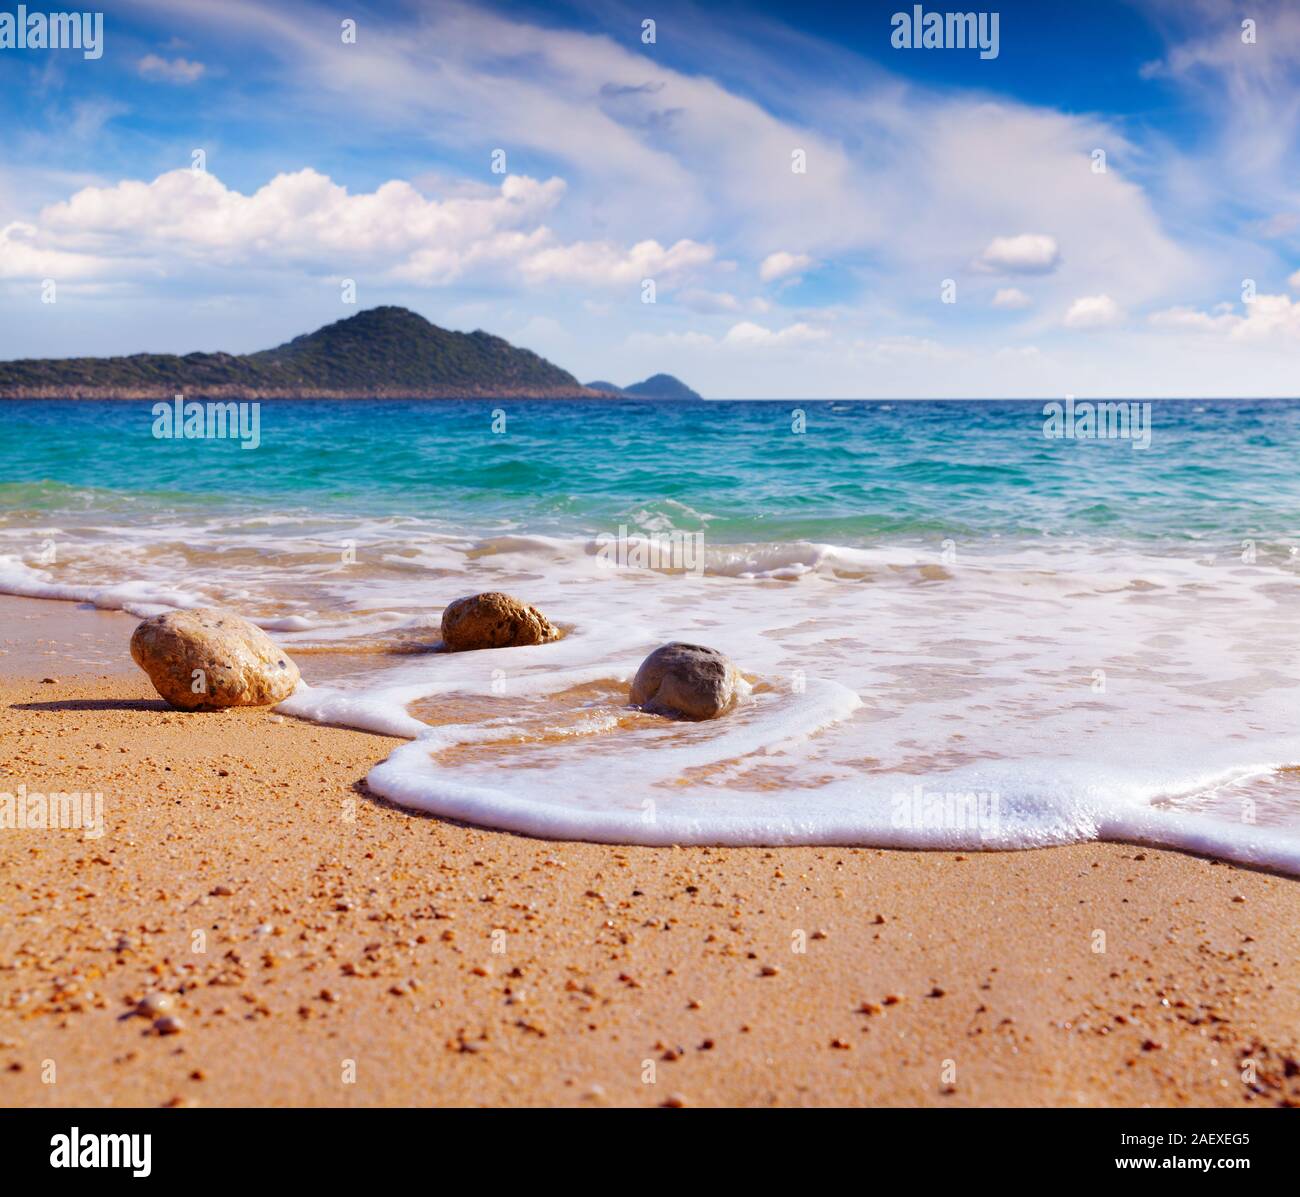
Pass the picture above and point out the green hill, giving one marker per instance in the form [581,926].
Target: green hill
[661,386]
[657,386]
[383,353]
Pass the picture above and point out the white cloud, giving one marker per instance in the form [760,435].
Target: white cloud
[779,264]
[305,221]
[1185,319]
[1093,311]
[749,334]
[1011,298]
[604,264]
[1294,281]
[170,70]
[1267,317]
[23,257]
[1028,253]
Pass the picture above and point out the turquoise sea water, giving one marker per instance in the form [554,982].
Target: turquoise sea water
[860,473]
[954,631]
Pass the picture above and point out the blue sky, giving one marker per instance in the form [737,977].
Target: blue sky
[931,174]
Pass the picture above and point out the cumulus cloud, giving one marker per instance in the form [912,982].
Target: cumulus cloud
[1093,311]
[1028,253]
[1011,298]
[306,221]
[604,264]
[22,256]
[752,335]
[1267,317]
[170,70]
[780,264]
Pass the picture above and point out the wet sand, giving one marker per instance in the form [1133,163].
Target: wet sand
[322,947]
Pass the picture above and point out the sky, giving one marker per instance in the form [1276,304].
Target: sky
[1110,206]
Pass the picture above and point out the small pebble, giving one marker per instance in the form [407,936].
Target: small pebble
[155,1004]
[169,1024]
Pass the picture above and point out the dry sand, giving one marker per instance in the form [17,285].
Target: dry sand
[322,947]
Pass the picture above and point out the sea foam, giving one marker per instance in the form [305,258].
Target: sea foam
[1029,694]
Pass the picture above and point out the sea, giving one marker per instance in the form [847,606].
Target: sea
[961,625]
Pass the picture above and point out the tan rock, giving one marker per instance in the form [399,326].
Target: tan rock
[494,620]
[207,659]
[685,680]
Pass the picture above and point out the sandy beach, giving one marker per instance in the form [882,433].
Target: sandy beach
[322,947]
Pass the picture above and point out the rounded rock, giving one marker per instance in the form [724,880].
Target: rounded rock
[686,681]
[208,659]
[494,620]
[154,1005]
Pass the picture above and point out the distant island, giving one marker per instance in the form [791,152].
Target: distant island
[657,386]
[382,353]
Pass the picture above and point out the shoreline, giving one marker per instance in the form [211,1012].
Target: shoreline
[296,394]
[457,965]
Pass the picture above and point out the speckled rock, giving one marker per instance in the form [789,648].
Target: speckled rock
[685,680]
[207,659]
[494,620]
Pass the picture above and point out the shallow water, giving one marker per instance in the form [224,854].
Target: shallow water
[956,632]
